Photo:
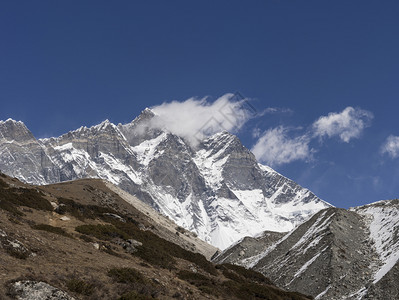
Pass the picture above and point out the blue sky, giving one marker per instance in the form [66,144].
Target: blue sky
[64,64]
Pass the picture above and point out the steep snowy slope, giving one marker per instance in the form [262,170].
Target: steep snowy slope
[216,189]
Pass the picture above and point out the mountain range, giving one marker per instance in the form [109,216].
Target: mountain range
[214,188]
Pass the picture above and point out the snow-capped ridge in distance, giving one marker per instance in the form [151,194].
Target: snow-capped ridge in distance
[10,120]
[15,131]
[106,124]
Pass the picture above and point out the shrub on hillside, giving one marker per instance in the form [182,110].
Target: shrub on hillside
[81,211]
[202,282]
[80,287]
[52,229]
[139,287]
[239,273]
[102,232]
[12,198]
[126,275]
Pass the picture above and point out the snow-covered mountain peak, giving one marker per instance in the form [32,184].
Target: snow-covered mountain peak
[216,189]
[103,125]
[140,129]
[105,128]
[10,120]
[148,112]
[146,115]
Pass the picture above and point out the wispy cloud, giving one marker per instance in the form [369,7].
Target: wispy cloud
[275,110]
[391,146]
[276,147]
[347,124]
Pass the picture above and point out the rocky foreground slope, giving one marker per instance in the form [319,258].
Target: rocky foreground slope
[336,254]
[81,240]
[215,188]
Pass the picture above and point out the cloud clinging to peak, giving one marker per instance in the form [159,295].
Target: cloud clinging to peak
[391,146]
[195,119]
[347,124]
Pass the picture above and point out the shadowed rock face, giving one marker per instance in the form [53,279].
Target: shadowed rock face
[247,248]
[216,189]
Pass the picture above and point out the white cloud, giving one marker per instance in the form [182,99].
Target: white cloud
[195,119]
[391,146]
[275,147]
[347,124]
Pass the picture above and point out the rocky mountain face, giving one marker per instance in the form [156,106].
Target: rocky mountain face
[22,155]
[216,189]
[336,254]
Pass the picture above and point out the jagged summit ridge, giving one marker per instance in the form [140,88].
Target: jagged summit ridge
[216,189]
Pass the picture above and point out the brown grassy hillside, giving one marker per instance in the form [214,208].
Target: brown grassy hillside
[83,239]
